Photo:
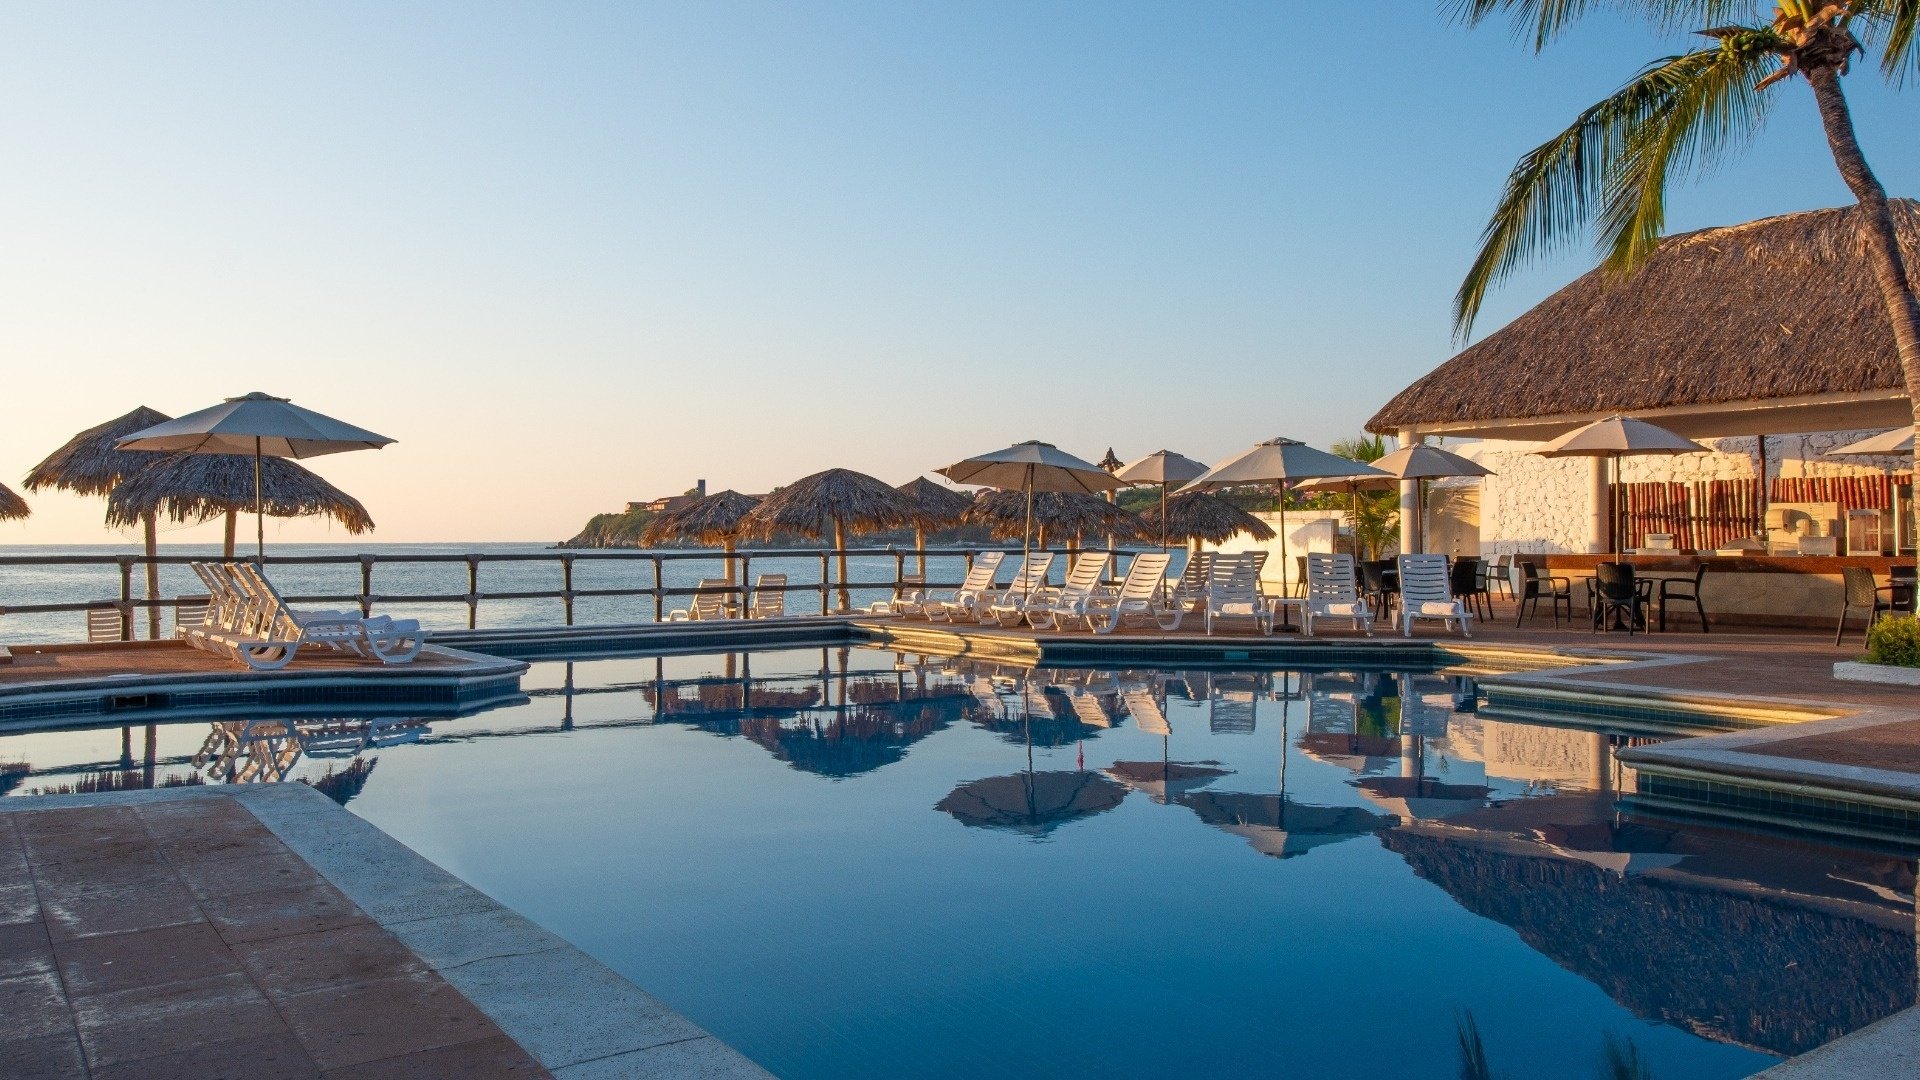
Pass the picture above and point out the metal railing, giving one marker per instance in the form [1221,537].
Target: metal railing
[127,603]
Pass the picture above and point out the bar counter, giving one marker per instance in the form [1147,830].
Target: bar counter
[1743,590]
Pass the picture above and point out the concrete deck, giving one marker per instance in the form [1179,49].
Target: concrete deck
[263,931]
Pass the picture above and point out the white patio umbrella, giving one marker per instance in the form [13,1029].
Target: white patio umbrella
[257,424]
[1167,469]
[1279,462]
[1897,441]
[1031,466]
[1614,438]
[1421,463]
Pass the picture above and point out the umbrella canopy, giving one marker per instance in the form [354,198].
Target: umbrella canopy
[1031,466]
[261,425]
[1163,779]
[1422,462]
[831,504]
[1279,826]
[1055,514]
[1030,802]
[1617,436]
[1278,461]
[715,519]
[256,424]
[1198,515]
[1614,438]
[196,487]
[90,463]
[1162,467]
[1897,441]
[12,506]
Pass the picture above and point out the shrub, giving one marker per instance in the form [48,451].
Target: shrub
[1894,640]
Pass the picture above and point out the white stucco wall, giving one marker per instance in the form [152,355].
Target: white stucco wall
[1537,504]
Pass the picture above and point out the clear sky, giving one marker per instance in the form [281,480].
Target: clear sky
[572,254]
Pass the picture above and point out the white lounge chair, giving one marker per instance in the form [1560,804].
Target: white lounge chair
[1427,593]
[1146,712]
[1041,608]
[1142,595]
[1233,591]
[709,602]
[769,597]
[375,637]
[1189,590]
[1332,593]
[977,583]
[1030,578]
[909,597]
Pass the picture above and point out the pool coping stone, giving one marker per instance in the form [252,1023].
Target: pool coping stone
[579,1018]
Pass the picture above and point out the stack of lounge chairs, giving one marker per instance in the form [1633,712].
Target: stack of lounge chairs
[247,619]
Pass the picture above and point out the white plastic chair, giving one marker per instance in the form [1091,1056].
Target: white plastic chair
[1332,593]
[1427,593]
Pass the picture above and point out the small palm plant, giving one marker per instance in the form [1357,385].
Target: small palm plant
[1374,517]
[1610,169]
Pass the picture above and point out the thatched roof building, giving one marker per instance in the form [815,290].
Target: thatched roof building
[935,507]
[1771,327]
[193,488]
[12,506]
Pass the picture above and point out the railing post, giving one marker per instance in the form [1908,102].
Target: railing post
[566,598]
[824,557]
[366,585]
[900,569]
[746,567]
[126,598]
[659,598]
[473,592]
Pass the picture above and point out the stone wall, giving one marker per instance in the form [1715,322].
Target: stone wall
[1537,504]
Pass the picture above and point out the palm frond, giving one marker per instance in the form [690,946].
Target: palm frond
[1624,1061]
[1541,21]
[1895,26]
[1473,1052]
[1551,193]
[1709,101]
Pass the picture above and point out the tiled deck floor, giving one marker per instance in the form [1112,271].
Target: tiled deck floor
[32,664]
[183,939]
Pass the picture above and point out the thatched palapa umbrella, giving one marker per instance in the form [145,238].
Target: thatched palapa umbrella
[715,519]
[90,464]
[193,488]
[1199,515]
[936,508]
[1069,514]
[832,504]
[12,506]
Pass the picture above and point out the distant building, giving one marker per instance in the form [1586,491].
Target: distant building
[669,503]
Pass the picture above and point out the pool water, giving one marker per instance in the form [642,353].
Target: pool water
[895,866]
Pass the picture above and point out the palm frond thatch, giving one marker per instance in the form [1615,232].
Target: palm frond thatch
[1197,515]
[12,506]
[1057,514]
[830,502]
[935,507]
[1781,307]
[193,488]
[88,464]
[713,520]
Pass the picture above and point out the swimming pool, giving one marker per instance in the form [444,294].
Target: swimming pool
[890,865]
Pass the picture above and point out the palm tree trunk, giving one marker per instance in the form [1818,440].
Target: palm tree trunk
[1876,226]
[233,527]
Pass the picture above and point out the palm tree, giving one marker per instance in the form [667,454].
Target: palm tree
[1611,168]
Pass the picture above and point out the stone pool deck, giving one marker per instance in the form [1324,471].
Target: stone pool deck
[265,932]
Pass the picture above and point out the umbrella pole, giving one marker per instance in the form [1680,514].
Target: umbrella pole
[1026,538]
[259,510]
[840,545]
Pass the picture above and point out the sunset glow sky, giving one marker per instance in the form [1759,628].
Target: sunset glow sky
[575,254]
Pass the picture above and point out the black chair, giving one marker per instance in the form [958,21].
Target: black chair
[1299,575]
[1618,597]
[1536,586]
[1468,579]
[1381,585]
[1864,592]
[1686,591]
